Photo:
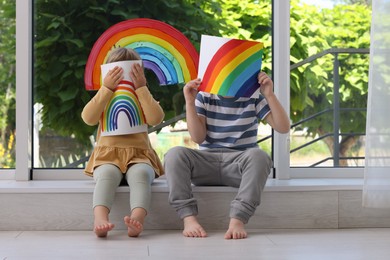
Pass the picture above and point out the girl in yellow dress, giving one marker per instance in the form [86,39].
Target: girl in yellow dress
[128,156]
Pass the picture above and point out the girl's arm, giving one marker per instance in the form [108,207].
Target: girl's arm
[94,108]
[153,112]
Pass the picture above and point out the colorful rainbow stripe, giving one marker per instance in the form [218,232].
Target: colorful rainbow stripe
[233,69]
[163,49]
[124,100]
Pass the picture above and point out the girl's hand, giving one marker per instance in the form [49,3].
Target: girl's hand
[137,75]
[113,77]
[266,84]
[190,90]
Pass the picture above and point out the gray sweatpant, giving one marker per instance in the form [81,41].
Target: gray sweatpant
[108,177]
[247,170]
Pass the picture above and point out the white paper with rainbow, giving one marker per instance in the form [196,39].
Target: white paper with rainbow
[123,113]
[229,67]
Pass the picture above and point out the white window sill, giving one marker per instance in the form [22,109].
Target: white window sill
[159,185]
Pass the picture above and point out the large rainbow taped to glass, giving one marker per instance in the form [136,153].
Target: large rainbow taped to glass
[163,49]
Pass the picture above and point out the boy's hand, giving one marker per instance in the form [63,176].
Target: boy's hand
[113,77]
[190,90]
[266,84]
[137,75]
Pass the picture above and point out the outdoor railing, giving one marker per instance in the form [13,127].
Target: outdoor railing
[335,110]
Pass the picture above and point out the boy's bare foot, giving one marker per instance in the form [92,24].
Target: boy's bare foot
[236,230]
[101,227]
[192,228]
[134,227]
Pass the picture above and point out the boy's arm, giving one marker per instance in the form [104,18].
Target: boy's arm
[196,124]
[277,118]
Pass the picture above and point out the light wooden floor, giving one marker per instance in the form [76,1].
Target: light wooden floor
[269,244]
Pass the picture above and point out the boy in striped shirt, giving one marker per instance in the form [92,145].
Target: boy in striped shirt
[226,130]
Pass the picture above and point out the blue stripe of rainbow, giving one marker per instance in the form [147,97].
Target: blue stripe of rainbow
[160,61]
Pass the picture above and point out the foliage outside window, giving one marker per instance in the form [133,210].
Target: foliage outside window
[62,45]
[7,86]
[315,30]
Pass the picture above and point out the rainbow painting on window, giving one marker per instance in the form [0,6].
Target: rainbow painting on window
[123,113]
[165,51]
[229,67]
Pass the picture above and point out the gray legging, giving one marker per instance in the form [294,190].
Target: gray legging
[108,177]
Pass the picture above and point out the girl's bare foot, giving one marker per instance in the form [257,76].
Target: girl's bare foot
[134,227]
[101,224]
[236,230]
[192,228]
[101,227]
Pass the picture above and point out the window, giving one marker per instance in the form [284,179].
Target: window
[51,96]
[61,48]
[7,87]
[328,83]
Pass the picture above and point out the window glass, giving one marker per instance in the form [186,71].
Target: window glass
[61,47]
[328,82]
[7,86]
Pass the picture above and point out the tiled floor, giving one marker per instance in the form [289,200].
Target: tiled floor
[297,244]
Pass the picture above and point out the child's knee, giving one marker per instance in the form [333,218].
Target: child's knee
[260,157]
[140,172]
[107,172]
[174,154]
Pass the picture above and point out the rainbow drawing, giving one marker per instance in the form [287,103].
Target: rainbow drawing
[163,49]
[123,113]
[229,67]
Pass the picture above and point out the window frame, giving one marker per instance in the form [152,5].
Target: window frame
[24,109]
[24,14]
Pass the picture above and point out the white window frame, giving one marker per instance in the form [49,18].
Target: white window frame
[23,89]
[281,74]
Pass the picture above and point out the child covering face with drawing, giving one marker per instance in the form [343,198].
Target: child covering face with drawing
[128,156]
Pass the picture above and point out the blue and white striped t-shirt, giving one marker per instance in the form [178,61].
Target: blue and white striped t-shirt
[231,122]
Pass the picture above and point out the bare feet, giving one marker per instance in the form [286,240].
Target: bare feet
[134,227]
[236,230]
[101,227]
[192,228]
[101,224]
